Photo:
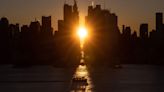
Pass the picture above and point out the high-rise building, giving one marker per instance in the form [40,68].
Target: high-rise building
[4,24]
[105,20]
[4,28]
[35,27]
[144,31]
[126,32]
[46,23]
[67,13]
[24,29]
[14,30]
[104,33]
[61,25]
[159,21]
[46,26]
[71,17]
[75,14]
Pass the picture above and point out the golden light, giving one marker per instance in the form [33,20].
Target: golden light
[82,32]
[81,71]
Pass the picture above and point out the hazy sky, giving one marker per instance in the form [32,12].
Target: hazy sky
[130,12]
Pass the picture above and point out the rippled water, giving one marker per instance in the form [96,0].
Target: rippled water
[130,78]
[82,74]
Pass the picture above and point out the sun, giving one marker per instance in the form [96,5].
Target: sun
[82,32]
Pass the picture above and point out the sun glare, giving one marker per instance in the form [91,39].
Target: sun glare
[82,32]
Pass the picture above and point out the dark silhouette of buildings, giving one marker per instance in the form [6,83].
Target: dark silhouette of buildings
[145,49]
[47,26]
[159,21]
[71,16]
[126,32]
[103,26]
[38,43]
[65,39]
[144,31]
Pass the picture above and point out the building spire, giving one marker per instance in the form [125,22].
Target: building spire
[75,8]
[92,3]
[75,2]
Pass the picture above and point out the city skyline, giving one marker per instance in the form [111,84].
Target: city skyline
[81,46]
[38,40]
[124,9]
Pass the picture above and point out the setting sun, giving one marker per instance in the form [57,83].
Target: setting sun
[82,32]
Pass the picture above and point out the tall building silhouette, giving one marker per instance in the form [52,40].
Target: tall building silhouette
[67,13]
[4,40]
[144,31]
[71,16]
[159,21]
[61,26]
[4,27]
[24,29]
[126,32]
[63,37]
[35,27]
[75,13]
[105,20]
[46,25]
[103,26]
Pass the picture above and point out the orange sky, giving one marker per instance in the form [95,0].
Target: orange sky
[130,12]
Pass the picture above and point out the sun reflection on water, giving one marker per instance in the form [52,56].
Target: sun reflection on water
[81,81]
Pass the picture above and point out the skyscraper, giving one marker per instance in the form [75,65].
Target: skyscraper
[46,23]
[75,14]
[35,27]
[144,31]
[4,24]
[67,13]
[46,26]
[61,25]
[126,32]
[71,16]
[105,20]
[103,27]
[159,21]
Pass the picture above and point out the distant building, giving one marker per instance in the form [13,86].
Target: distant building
[71,18]
[14,30]
[101,19]
[134,35]
[75,14]
[4,22]
[61,25]
[103,27]
[159,21]
[46,23]
[126,32]
[24,29]
[144,31]
[4,25]
[159,27]
[47,26]
[35,27]
[152,34]
[67,13]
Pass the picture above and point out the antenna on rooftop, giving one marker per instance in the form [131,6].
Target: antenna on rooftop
[35,19]
[92,3]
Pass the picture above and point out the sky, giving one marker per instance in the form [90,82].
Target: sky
[130,12]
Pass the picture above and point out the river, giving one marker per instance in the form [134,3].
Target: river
[130,78]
